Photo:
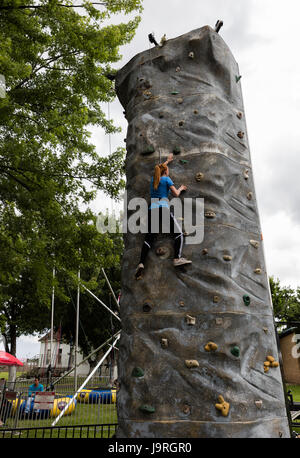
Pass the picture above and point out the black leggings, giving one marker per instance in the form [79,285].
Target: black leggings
[175,232]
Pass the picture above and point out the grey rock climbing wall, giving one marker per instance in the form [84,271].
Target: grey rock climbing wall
[198,354]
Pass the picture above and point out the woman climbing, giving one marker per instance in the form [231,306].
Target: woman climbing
[160,186]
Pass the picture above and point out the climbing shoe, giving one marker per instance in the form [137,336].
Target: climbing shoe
[181,262]
[139,271]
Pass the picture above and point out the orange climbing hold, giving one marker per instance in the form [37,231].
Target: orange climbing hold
[211,346]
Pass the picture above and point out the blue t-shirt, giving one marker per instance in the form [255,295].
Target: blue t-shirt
[162,192]
[33,388]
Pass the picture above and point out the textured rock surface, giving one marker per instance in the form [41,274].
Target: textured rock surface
[185,97]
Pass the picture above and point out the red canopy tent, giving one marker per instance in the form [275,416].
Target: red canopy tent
[6,359]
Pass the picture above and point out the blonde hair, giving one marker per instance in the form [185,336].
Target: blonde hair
[158,171]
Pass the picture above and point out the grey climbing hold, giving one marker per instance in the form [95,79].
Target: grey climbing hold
[239,115]
[235,351]
[209,214]
[249,195]
[246,299]
[191,55]
[254,243]
[246,174]
[180,100]
[199,176]
[258,404]
[147,408]
[176,150]
[137,372]
[191,320]
[227,257]
[164,342]
[177,69]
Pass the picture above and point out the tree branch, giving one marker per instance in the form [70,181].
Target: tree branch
[22,7]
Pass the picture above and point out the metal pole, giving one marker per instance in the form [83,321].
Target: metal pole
[52,323]
[111,290]
[102,303]
[85,382]
[77,331]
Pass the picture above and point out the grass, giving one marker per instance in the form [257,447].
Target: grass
[295,389]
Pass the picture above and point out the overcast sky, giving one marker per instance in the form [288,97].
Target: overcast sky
[263,36]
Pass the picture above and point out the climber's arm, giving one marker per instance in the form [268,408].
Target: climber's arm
[170,159]
[177,192]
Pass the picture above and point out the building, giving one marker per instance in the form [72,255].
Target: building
[290,351]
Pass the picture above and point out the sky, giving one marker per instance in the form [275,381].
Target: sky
[263,36]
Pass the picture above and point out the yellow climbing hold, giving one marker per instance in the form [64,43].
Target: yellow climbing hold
[191,320]
[271,359]
[190,363]
[211,346]
[223,406]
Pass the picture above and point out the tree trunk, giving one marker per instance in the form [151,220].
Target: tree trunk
[197,360]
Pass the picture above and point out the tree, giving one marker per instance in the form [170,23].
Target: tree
[55,61]
[286,302]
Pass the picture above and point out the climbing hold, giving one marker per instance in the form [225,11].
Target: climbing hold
[271,359]
[237,78]
[137,372]
[204,251]
[199,176]
[240,134]
[174,92]
[147,409]
[257,270]
[164,343]
[254,243]
[186,409]
[180,100]
[265,330]
[148,150]
[223,406]
[246,299]
[190,363]
[176,150]
[160,115]
[146,307]
[177,69]
[191,55]
[235,351]
[162,40]
[227,257]
[191,320]
[246,174]
[239,115]
[216,299]
[180,123]
[267,363]
[219,321]
[181,303]
[275,364]
[211,346]
[209,214]
[266,368]
[196,111]
[258,404]
[249,195]
[183,161]
[160,251]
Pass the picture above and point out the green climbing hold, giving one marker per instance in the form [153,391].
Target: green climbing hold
[176,150]
[235,351]
[246,299]
[147,409]
[183,161]
[174,92]
[237,78]
[137,372]
[149,150]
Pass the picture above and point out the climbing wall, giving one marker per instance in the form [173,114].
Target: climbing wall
[198,354]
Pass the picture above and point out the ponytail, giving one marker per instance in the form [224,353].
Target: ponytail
[158,171]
